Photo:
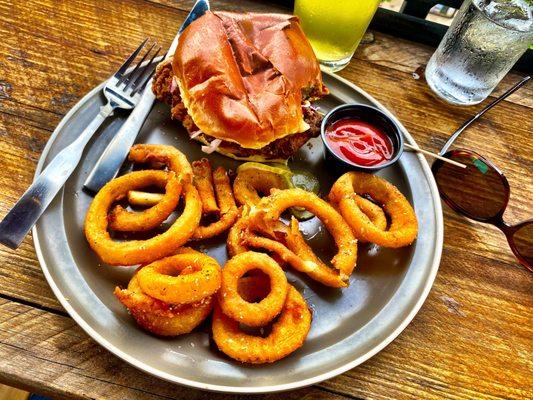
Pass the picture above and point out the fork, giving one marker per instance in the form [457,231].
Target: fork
[123,90]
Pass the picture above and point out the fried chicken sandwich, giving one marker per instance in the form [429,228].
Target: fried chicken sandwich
[242,84]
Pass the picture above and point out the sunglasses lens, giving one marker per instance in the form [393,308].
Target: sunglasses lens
[477,190]
[523,243]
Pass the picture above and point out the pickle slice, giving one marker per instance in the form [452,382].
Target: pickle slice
[300,178]
[307,181]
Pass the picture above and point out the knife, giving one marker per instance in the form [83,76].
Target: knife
[110,161]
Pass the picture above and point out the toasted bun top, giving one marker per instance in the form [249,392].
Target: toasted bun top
[281,39]
[241,76]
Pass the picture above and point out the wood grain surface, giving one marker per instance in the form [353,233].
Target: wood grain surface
[472,339]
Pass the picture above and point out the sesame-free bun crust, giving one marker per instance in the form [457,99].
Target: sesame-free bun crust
[241,76]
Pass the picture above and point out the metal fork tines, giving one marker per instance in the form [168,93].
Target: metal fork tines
[122,90]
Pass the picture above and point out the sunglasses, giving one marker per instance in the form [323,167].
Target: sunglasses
[481,191]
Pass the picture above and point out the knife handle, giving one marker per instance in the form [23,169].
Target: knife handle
[109,163]
[21,218]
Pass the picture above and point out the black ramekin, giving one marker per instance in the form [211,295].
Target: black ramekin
[367,114]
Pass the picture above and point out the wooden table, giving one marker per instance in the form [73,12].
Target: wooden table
[472,338]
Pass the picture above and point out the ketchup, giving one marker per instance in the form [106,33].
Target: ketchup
[359,142]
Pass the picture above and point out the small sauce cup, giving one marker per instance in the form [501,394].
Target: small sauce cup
[372,116]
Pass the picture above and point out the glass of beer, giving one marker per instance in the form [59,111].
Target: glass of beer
[335,27]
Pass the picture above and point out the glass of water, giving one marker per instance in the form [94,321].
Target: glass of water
[485,40]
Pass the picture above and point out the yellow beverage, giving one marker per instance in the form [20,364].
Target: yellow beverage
[335,27]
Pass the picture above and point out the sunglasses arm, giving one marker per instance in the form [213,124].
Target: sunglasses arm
[509,231]
[452,138]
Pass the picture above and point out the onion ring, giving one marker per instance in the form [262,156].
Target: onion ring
[235,241]
[403,226]
[287,335]
[126,221]
[138,251]
[235,307]
[174,159]
[161,318]
[238,233]
[270,208]
[251,183]
[203,180]
[228,210]
[255,180]
[374,212]
[300,257]
[159,279]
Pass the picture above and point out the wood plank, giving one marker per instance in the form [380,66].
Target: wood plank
[476,331]
[51,355]
[46,75]
[21,145]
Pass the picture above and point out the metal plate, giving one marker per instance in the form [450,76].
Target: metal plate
[349,326]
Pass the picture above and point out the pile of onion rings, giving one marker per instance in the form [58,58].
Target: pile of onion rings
[366,223]
[206,193]
[177,288]
[233,308]
[152,293]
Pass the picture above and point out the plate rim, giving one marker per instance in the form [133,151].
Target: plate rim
[439,228]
